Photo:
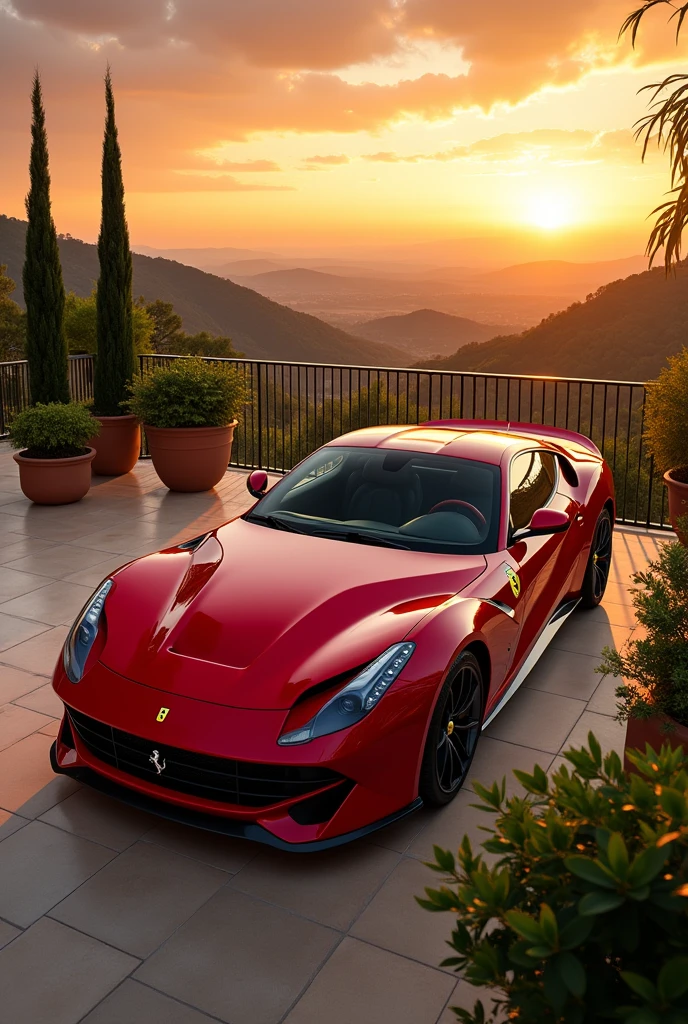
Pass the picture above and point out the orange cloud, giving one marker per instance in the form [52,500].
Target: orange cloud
[332,160]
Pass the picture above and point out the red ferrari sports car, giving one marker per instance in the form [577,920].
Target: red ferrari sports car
[324,664]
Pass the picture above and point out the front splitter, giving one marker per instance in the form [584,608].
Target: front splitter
[212,823]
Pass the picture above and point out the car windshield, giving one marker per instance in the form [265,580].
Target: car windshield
[401,499]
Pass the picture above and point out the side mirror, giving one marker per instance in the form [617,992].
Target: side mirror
[257,483]
[545,521]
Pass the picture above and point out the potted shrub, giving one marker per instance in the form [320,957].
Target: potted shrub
[188,410]
[582,917]
[55,463]
[118,445]
[653,697]
[666,433]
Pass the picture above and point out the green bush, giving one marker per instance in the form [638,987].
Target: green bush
[189,393]
[655,667]
[666,417]
[582,918]
[53,431]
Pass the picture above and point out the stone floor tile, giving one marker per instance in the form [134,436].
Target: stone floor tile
[40,653]
[614,614]
[7,933]
[10,823]
[618,593]
[394,921]
[43,699]
[134,1003]
[57,604]
[331,887]
[209,847]
[14,631]
[54,975]
[604,699]
[400,835]
[610,733]
[24,773]
[571,675]
[465,997]
[6,497]
[16,723]
[58,561]
[58,788]
[16,546]
[95,574]
[448,825]
[14,584]
[120,539]
[537,719]
[141,898]
[102,820]
[39,866]
[241,960]
[365,985]
[583,637]
[495,759]
[15,683]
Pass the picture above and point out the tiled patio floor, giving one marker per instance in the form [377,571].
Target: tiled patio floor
[109,916]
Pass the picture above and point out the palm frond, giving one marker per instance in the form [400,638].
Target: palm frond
[672,218]
[632,22]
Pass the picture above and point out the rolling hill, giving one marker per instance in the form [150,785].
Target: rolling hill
[304,281]
[625,331]
[257,326]
[560,276]
[426,331]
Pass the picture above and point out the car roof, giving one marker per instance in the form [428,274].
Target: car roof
[480,445]
[481,440]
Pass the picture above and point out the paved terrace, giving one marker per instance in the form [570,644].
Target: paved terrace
[111,916]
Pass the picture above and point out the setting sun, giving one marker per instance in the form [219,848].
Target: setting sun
[550,210]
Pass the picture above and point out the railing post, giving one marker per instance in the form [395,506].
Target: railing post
[259,411]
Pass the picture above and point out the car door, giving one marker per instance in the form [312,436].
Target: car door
[533,484]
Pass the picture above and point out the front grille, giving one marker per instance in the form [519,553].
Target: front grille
[212,778]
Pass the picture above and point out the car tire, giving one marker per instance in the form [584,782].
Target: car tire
[454,732]
[599,562]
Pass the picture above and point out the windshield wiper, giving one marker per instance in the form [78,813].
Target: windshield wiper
[361,538]
[275,523]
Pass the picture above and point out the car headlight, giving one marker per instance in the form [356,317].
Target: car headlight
[357,699]
[83,634]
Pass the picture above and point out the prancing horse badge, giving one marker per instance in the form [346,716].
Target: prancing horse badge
[513,580]
[162,714]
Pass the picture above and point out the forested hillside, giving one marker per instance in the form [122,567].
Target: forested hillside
[257,326]
[624,331]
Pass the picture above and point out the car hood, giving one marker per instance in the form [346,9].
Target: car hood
[255,617]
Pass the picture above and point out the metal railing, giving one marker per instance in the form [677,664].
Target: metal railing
[296,407]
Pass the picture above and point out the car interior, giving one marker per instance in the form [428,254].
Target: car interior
[412,495]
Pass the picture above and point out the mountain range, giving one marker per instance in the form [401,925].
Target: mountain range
[262,329]
[426,331]
[624,331]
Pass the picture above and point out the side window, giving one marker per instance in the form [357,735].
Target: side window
[531,483]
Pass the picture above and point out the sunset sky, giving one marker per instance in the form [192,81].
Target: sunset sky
[323,124]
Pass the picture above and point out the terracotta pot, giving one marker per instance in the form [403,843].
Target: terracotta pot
[118,445]
[55,481]
[649,730]
[678,502]
[190,458]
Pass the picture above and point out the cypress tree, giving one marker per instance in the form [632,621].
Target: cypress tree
[116,359]
[44,294]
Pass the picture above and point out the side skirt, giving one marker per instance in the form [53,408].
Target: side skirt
[538,649]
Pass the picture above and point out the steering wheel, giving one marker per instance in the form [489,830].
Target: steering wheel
[463,508]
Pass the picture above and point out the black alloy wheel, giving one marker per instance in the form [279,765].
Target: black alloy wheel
[599,563]
[454,732]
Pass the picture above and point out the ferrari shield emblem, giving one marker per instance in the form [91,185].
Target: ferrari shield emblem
[164,712]
[513,580]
